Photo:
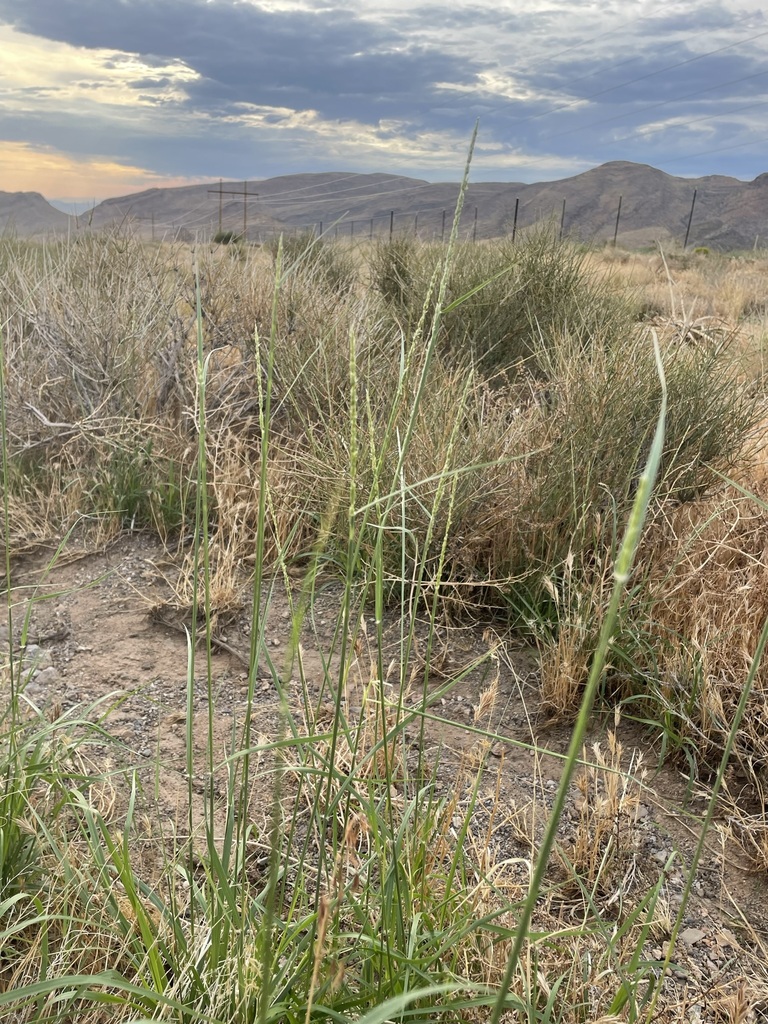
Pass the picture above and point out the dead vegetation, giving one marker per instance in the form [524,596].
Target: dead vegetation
[479,464]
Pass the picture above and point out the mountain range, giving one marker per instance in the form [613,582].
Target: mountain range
[724,213]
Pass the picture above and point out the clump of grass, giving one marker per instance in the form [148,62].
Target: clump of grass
[325,263]
[503,299]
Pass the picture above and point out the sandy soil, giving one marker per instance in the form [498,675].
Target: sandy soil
[111,646]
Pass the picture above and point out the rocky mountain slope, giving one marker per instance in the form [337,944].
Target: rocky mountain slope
[728,214]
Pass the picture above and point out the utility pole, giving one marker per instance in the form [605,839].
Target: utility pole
[690,219]
[235,192]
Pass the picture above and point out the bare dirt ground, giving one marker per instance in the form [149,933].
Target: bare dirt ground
[95,647]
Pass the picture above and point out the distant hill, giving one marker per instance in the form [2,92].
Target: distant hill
[27,214]
[728,214]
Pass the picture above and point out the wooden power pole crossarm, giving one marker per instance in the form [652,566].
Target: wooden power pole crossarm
[235,192]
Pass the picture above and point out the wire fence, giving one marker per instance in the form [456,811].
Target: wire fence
[261,219]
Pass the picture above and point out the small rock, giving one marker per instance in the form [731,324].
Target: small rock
[692,935]
[726,938]
[47,679]
[35,657]
[146,752]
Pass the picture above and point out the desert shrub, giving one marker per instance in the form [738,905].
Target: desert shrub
[502,298]
[589,442]
[86,327]
[392,266]
[327,264]
[226,237]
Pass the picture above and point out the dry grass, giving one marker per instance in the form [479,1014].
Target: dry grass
[512,490]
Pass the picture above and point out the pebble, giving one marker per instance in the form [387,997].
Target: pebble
[35,657]
[46,679]
[690,936]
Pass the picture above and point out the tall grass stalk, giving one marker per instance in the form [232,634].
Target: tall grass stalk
[621,576]
[712,805]
[7,539]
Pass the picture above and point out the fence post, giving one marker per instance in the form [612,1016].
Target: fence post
[474,227]
[416,224]
[562,221]
[442,229]
[514,222]
[690,218]
[616,229]
[371,233]
[221,182]
[391,223]
[245,211]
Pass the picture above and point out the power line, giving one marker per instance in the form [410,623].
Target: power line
[719,149]
[304,188]
[330,198]
[655,106]
[640,78]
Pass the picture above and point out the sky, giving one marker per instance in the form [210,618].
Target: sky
[103,98]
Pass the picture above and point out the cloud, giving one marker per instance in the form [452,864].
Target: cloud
[30,168]
[235,87]
[327,59]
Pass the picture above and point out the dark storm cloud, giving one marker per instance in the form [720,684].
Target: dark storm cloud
[564,81]
[676,72]
[328,60]
[709,17]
